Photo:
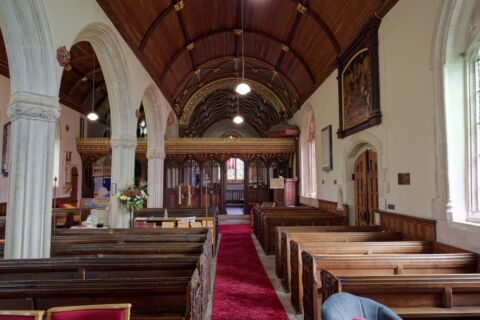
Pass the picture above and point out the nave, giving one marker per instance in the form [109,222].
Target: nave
[197,159]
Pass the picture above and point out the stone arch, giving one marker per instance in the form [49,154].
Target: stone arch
[29,45]
[34,110]
[346,193]
[455,30]
[171,126]
[452,37]
[117,77]
[153,102]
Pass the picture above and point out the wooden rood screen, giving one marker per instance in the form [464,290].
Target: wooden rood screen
[195,170]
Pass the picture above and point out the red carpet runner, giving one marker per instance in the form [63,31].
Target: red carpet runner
[242,287]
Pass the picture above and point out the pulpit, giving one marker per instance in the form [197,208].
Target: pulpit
[290,192]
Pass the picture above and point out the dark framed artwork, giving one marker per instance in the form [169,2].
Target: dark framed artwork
[6,149]
[326,145]
[358,83]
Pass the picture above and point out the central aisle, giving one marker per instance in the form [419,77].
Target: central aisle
[242,288]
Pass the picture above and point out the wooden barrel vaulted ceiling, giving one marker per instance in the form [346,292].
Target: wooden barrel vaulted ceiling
[291,45]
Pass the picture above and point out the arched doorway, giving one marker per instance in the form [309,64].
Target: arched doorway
[235,186]
[366,187]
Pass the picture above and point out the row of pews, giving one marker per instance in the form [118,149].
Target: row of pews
[398,264]
[164,273]
[266,219]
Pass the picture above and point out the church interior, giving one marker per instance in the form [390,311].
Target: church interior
[240,159]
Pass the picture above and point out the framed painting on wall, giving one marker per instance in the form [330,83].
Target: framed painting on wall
[326,145]
[358,84]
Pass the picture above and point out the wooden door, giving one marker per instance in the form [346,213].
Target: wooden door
[360,173]
[372,184]
[366,187]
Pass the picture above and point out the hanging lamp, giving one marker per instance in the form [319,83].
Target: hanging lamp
[93,116]
[243,88]
[238,119]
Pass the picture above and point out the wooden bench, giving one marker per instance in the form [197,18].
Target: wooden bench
[95,232]
[3,222]
[453,296]
[325,237]
[185,278]
[309,229]
[383,264]
[271,221]
[126,238]
[155,298]
[339,248]
[259,211]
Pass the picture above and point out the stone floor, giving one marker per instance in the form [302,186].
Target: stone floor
[269,266]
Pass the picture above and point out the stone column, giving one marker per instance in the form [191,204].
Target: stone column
[156,158]
[29,214]
[123,174]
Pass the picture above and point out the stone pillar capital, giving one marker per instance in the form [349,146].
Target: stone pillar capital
[155,153]
[33,106]
[124,142]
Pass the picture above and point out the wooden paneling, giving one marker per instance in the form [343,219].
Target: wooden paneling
[412,228]
[332,207]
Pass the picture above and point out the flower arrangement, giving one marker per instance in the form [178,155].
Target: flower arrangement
[132,196]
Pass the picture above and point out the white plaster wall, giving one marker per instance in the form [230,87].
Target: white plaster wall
[70,118]
[406,135]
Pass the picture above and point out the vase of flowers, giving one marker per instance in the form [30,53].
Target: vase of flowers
[132,197]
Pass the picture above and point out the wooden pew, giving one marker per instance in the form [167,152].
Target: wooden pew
[191,271]
[302,229]
[125,249]
[325,237]
[3,222]
[125,238]
[339,248]
[272,220]
[152,298]
[383,264]
[439,296]
[258,211]
[95,232]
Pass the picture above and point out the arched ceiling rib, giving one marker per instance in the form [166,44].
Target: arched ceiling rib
[299,40]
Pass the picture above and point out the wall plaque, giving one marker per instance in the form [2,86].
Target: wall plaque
[404,179]
[358,83]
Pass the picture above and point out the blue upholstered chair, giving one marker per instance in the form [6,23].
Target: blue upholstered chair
[346,306]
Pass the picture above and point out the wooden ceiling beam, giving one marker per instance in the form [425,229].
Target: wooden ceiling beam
[186,37]
[155,24]
[230,30]
[188,76]
[323,25]
[288,41]
[80,81]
